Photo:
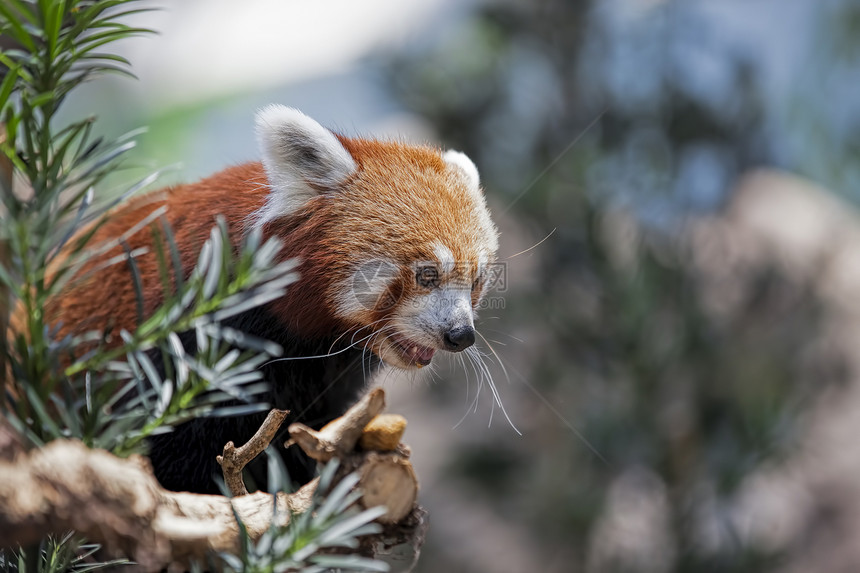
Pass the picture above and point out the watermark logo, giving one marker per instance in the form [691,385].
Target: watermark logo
[372,280]
[370,284]
[429,274]
[496,276]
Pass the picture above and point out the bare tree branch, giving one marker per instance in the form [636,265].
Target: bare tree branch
[338,437]
[118,502]
[234,459]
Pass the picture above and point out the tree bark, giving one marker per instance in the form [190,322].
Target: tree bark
[119,504]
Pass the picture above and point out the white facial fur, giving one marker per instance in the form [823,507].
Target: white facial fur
[301,158]
[464,166]
[361,292]
[445,257]
[427,317]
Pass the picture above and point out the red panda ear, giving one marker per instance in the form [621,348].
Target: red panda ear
[301,158]
[461,162]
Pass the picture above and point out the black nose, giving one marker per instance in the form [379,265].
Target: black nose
[460,338]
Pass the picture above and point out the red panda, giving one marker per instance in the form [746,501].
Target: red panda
[393,243]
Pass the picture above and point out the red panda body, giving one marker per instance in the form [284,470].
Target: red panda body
[392,241]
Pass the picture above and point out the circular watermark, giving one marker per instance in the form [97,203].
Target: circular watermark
[370,284]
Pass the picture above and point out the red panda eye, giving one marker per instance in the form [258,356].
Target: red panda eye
[427,277]
[476,282]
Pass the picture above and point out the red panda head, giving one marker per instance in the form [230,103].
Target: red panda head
[394,239]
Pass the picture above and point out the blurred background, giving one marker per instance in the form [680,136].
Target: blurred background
[675,341]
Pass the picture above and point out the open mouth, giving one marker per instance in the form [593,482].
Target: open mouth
[413,352]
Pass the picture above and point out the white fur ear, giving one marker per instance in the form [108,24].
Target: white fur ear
[301,158]
[463,163]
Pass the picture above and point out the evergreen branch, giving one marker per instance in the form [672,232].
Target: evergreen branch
[208,290]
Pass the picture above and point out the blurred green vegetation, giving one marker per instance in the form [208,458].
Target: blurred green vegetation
[577,119]
[76,385]
[607,123]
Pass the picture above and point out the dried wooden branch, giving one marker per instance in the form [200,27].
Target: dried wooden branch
[387,476]
[234,459]
[118,502]
[338,437]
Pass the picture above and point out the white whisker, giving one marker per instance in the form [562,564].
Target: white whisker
[466,374]
[492,383]
[342,350]
[352,339]
[532,247]
[498,358]
[473,407]
[503,333]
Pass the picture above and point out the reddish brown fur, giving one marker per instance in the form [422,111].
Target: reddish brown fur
[400,197]
[402,204]
[106,299]
[367,219]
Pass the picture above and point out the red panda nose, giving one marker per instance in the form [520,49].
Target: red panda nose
[459,338]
